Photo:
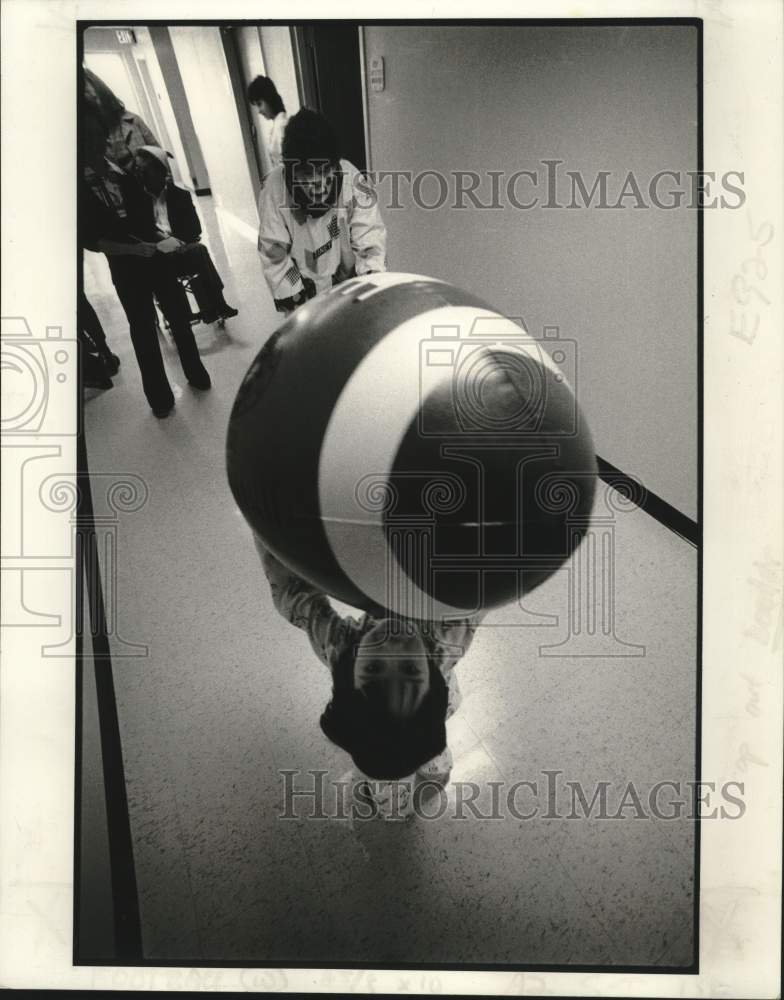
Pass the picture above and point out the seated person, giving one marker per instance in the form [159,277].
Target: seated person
[116,218]
[393,688]
[320,222]
[176,217]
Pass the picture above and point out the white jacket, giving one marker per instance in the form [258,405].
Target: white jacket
[349,236]
[275,144]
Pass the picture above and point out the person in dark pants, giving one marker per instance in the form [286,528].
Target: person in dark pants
[90,327]
[116,218]
[175,216]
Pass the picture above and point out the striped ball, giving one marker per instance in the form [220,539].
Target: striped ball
[408,450]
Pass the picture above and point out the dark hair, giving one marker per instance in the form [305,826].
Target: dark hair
[263,89]
[310,138]
[94,127]
[380,747]
[106,102]
[94,119]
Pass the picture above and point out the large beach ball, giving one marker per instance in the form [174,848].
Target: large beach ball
[408,450]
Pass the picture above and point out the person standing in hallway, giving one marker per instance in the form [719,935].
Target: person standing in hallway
[319,218]
[125,131]
[175,217]
[116,218]
[264,97]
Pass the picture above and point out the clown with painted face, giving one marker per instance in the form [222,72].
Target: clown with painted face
[320,221]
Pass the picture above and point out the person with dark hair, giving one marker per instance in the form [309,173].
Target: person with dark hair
[175,217]
[125,131]
[393,685]
[264,97]
[116,218]
[319,217]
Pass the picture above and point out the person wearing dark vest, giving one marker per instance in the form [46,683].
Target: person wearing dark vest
[116,218]
[175,216]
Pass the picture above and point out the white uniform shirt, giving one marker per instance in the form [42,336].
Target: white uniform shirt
[161,212]
[274,146]
[351,235]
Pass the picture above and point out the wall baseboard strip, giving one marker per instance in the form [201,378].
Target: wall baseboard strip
[652,504]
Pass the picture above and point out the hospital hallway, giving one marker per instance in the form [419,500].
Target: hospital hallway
[217,695]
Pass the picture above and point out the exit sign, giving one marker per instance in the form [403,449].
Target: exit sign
[125,36]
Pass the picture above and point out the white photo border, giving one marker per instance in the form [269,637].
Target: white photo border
[740,868]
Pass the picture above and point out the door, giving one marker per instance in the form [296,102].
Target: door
[251,61]
[158,124]
[331,82]
[113,69]
[127,73]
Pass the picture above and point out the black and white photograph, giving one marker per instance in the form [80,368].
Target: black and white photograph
[387,554]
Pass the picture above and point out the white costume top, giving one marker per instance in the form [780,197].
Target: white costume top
[350,236]
[275,143]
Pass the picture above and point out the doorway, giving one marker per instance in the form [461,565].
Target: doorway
[330,81]
[132,72]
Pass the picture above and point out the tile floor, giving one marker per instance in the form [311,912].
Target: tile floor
[229,694]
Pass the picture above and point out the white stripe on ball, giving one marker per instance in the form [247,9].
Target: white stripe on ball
[371,417]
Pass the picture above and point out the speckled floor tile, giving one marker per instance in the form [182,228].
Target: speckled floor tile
[639,885]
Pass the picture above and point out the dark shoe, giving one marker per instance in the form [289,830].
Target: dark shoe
[111,361]
[200,380]
[163,406]
[94,373]
[210,317]
[163,411]
[228,312]
[97,382]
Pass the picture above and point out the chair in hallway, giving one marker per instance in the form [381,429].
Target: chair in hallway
[184,280]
